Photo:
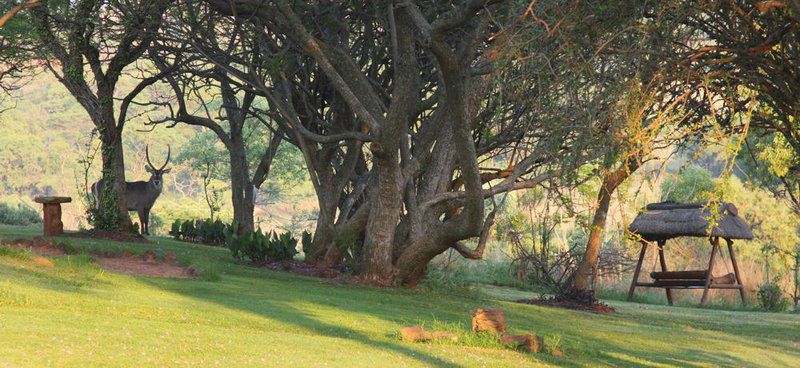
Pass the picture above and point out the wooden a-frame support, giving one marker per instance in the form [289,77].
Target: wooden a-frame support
[706,284]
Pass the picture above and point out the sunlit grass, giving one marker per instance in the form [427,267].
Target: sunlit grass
[76,314]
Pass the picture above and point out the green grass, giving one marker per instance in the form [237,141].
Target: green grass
[76,314]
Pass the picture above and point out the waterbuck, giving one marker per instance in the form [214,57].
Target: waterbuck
[140,195]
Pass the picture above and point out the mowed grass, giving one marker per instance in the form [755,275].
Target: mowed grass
[76,314]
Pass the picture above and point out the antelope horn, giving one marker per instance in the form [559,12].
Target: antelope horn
[147,156]
[169,153]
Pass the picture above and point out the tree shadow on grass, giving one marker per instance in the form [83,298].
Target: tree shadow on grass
[280,308]
[642,342]
[276,291]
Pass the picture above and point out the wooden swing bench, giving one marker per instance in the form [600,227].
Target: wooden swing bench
[659,222]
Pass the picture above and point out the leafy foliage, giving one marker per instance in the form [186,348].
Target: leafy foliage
[306,241]
[351,244]
[22,215]
[200,231]
[693,184]
[260,248]
[770,297]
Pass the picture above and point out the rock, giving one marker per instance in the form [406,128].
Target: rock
[488,320]
[171,257]
[43,261]
[414,334]
[149,256]
[556,353]
[527,342]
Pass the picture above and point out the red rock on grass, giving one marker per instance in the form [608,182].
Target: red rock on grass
[488,320]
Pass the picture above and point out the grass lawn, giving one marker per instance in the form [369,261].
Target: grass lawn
[76,314]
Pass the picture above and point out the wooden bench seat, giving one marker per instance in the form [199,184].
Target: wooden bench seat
[679,275]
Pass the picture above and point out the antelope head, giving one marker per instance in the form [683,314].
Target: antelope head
[156,177]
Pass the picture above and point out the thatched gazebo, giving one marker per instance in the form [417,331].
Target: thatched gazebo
[659,222]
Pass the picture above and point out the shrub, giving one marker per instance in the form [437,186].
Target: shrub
[306,241]
[22,215]
[188,230]
[175,230]
[770,297]
[693,184]
[351,245]
[201,231]
[261,248]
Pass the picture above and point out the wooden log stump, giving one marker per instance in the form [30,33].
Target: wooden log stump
[52,214]
[488,320]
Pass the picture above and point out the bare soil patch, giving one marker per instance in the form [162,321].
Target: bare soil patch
[38,245]
[144,265]
[107,235]
[305,269]
[552,302]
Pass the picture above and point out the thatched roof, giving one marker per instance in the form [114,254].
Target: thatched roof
[666,220]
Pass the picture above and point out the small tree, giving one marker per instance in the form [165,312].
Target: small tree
[204,158]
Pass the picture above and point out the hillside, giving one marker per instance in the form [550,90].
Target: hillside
[46,134]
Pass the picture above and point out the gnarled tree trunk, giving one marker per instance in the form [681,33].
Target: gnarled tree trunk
[581,286]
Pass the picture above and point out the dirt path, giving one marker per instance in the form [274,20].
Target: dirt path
[141,266]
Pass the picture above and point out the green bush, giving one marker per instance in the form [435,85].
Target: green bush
[770,297]
[188,230]
[306,240]
[261,248]
[21,215]
[201,231]
[175,230]
[693,184]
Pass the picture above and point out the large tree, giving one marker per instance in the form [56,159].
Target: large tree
[645,101]
[106,37]
[416,81]
[226,109]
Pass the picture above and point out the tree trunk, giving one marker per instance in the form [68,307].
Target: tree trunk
[582,279]
[324,231]
[413,263]
[114,173]
[385,206]
[241,188]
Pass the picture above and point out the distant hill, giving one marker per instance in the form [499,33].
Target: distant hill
[46,134]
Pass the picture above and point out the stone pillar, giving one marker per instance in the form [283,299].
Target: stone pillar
[52,214]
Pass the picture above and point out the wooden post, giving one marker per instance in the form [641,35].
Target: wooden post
[664,267]
[636,271]
[714,244]
[736,270]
